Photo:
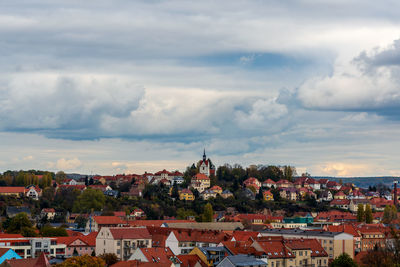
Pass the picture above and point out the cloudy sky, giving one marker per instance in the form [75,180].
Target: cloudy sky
[126,86]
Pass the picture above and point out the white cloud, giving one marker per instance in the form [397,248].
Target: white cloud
[68,164]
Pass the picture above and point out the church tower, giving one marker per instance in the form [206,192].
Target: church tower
[204,165]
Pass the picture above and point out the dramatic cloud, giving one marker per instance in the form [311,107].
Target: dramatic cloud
[137,85]
[370,84]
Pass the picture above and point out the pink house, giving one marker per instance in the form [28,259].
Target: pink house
[80,245]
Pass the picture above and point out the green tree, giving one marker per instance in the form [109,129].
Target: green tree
[88,200]
[360,213]
[368,214]
[80,222]
[20,224]
[343,260]
[208,213]
[49,231]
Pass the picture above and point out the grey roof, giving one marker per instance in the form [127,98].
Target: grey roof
[301,232]
[245,260]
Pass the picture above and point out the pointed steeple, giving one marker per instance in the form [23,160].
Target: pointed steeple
[204,155]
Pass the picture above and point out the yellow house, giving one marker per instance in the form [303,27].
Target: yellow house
[210,255]
[268,196]
[186,194]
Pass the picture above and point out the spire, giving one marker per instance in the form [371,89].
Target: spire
[204,155]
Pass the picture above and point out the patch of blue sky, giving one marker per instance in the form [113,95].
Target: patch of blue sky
[256,61]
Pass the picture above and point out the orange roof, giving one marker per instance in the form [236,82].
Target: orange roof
[12,189]
[345,228]
[161,255]
[244,235]
[200,176]
[108,220]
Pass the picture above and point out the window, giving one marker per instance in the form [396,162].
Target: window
[38,244]
[301,253]
[118,251]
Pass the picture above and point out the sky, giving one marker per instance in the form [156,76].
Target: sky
[108,87]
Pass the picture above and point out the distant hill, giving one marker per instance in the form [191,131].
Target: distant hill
[363,182]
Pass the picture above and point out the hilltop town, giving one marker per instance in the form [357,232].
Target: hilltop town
[204,216]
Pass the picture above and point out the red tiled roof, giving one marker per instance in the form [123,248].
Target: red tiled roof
[40,261]
[157,254]
[12,189]
[108,220]
[275,248]
[48,210]
[2,235]
[130,233]
[136,263]
[339,202]
[191,260]
[343,228]
[244,235]
[303,244]
[200,176]
[184,235]
[269,181]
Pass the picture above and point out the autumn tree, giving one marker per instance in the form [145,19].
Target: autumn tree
[85,260]
[208,213]
[368,214]
[389,214]
[60,176]
[109,258]
[360,213]
[289,172]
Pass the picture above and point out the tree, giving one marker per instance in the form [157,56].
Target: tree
[49,231]
[85,260]
[360,213]
[389,214]
[109,258]
[175,191]
[81,222]
[20,224]
[378,258]
[88,200]
[343,260]
[60,176]
[289,172]
[368,214]
[208,213]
